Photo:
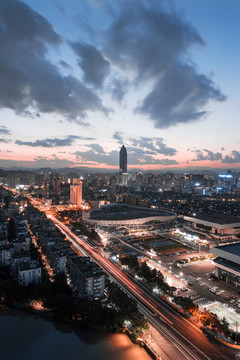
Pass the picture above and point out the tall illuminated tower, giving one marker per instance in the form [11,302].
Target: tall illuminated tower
[123,160]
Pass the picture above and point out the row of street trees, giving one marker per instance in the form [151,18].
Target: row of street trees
[156,279]
[152,277]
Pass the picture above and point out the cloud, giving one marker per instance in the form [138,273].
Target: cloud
[152,44]
[38,162]
[92,63]
[153,146]
[118,135]
[233,158]
[209,155]
[110,158]
[28,79]
[58,5]
[179,96]
[53,162]
[4,140]
[51,142]
[119,89]
[147,145]
[65,65]
[142,151]
[97,148]
[206,154]
[167,162]
[4,130]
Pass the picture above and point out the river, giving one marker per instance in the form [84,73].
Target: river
[27,337]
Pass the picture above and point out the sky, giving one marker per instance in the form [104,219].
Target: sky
[80,78]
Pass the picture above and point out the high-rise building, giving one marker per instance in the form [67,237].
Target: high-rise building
[46,188]
[76,181]
[39,179]
[112,186]
[76,194]
[123,160]
[57,187]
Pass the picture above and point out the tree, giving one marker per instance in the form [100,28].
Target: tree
[131,261]
[186,303]
[126,309]
[145,272]
[225,325]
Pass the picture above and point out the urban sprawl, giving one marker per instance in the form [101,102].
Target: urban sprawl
[153,254]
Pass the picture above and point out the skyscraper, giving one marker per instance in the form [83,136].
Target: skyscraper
[76,194]
[123,160]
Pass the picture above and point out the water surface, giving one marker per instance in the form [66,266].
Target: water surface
[25,337]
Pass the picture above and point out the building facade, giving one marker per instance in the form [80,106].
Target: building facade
[29,273]
[227,263]
[218,226]
[87,277]
[76,194]
[115,215]
[6,253]
[123,160]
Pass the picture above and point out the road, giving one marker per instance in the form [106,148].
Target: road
[183,339]
[184,336]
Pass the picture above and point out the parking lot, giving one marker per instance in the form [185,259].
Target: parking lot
[192,279]
[200,287]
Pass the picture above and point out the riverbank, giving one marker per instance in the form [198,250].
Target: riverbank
[117,346]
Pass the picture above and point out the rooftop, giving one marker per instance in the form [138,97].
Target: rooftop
[125,212]
[220,219]
[87,267]
[233,249]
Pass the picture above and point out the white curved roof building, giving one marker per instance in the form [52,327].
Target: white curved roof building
[126,215]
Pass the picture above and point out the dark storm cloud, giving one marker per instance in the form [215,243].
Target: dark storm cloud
[52,142]
[4,130]
[233,158]
[206,154]
[27,78]
[94,66]
[153,43]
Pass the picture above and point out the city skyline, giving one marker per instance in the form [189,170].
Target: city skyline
[80,79]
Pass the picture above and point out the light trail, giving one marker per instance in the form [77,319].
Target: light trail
[113,270]
[149,305]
